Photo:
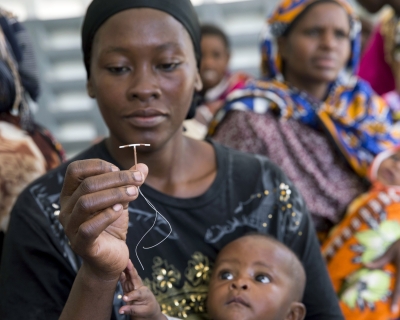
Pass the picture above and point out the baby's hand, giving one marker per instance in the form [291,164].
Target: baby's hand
[141,302]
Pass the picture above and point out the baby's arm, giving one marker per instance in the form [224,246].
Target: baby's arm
[141,302]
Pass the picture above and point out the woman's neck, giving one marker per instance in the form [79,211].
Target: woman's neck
[315,89]
[171,167]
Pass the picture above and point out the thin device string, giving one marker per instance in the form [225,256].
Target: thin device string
[154,223]
[150,205]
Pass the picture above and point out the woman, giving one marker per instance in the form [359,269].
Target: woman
[142,59]
[321,124]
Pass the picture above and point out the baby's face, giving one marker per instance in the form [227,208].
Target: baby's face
[389,170]
[250,281]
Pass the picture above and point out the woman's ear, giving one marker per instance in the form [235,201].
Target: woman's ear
[297,311]
[198,84]
[90,89]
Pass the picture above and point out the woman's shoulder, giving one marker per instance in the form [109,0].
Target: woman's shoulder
[247,165]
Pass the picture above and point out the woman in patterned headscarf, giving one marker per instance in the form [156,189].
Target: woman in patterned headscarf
[312,116]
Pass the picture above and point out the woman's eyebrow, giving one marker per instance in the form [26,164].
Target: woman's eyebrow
[112,49]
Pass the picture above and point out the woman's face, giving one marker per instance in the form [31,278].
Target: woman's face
[143,75]
[318,45]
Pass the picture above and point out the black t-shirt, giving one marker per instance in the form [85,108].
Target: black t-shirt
[249,194]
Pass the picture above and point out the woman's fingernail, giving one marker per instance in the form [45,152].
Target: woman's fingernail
[114,168]
[137,175]
[125,298]
[132,191]
[117,207]
[121,312]
[395,309]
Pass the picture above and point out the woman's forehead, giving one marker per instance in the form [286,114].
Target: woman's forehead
[142,27]
[325,13]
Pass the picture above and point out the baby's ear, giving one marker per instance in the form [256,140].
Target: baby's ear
[297,311]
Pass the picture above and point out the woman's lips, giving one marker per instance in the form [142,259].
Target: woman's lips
[146,118]
[325,62]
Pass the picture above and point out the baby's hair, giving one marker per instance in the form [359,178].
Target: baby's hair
[296,267]
[213,30]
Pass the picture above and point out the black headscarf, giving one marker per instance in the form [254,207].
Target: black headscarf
[100,10]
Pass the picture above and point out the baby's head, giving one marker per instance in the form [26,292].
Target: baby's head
[256,277]
[386,168]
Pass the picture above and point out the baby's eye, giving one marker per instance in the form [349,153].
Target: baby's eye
[263,278]
[225,275]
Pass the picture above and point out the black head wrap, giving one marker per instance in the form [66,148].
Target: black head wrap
[100,10]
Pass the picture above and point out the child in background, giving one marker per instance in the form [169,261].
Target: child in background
[255,277]
[370,227]
[217,81]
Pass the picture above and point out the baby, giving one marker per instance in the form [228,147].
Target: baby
[255,277]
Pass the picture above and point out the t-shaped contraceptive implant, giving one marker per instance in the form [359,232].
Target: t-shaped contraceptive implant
[134,145]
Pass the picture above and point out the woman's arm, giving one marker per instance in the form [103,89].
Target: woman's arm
[94,213]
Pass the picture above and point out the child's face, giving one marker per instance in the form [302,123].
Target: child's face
[251,281]
[214,60]
[389,170]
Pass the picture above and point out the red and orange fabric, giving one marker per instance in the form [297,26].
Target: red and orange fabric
[371,225]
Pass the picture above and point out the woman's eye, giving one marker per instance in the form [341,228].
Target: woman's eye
[263,278]
[226,275]
[168,66]
[312,32]
[340,34]
[118,70]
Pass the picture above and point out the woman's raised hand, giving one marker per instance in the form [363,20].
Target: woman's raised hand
[94,213]
[392,255]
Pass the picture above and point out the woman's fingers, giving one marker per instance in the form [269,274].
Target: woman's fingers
[88,205]
[90,230]
[78,171]
[396,293]
[392,255]
[105,181]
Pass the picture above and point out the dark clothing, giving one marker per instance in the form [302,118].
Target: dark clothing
[249,194]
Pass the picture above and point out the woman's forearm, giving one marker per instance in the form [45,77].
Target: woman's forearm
[90,298]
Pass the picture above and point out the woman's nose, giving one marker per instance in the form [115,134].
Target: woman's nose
[328,40]
[144,86]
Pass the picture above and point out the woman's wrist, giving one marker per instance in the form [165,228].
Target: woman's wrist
[91,275]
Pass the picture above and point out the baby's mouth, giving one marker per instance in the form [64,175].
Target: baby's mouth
[238,300]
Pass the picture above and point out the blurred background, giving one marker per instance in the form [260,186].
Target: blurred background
[54,25]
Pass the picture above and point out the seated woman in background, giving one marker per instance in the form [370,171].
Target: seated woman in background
[312,116]
[218,82]
[142,58]
[370,227]
[27,150]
